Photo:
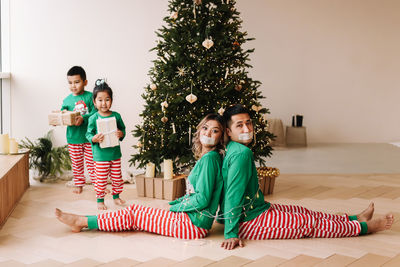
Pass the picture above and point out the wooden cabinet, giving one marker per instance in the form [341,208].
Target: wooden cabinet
[14,180]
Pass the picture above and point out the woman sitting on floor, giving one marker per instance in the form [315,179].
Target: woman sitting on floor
[189,217]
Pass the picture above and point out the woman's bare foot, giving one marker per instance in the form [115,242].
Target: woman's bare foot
[77,189]
[101,206]
[119,201]
[366,214]
[76,222]
[380,224]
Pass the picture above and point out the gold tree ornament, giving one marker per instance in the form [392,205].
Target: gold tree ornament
[198,2]
[164,104]
[191,98]
[208,43]
[164,119]
[256,108]
[221,111]
[174,15]
[238,87]
[181,71]
[153,87]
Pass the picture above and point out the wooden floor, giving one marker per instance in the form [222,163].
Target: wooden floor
[34,237]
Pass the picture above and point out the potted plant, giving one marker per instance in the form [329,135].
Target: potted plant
[48,161]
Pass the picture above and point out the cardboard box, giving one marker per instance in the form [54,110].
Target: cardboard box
[64,117]
[108,127]
[140,186]
[149,186]
[161,188]
[175,188]
[266,179]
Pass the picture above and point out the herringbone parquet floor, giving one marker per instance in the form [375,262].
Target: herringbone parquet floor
[32,236]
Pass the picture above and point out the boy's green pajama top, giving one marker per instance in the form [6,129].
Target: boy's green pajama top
[202,203]
[108,153]
[82,103]
[242,199]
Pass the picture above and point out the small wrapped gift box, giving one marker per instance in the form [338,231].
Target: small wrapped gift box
[108,127]
[157,187]
[64,117]
[266,179]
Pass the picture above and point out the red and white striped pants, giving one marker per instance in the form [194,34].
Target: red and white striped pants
[153,220]
[77,153]
[287,221]
[103,170]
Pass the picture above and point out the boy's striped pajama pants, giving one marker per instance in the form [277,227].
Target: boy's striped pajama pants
[80,153]
[153,220]
[104,169]
[287,221]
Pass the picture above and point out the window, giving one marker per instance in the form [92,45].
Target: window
[5,93]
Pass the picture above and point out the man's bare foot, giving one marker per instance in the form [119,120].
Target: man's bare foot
[76,222]
[366,214]
[119,201]
[380,224]
[101,206]
[77,189]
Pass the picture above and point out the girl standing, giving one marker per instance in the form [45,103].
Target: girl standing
[107,161]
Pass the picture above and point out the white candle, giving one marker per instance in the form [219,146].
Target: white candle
[168,169]
[4,144]
[150,169]
[13,146]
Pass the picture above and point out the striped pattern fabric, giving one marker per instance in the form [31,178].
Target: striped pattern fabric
[80,154]
[289,222]
[104,169]
[152,220]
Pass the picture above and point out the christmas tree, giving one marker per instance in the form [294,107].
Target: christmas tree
[201,67]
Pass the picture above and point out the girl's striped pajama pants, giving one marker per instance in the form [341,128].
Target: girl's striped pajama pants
[287,221]
[104,169]
[153,220]
[80,153]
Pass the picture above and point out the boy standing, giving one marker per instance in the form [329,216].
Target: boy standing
[79,148]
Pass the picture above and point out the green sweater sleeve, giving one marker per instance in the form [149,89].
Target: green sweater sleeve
[239,174]
[64,106]
[204,188]
[176,200]
[121,126]
[91,129]
[91,109]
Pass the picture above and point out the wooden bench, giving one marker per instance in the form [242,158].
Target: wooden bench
[14,180]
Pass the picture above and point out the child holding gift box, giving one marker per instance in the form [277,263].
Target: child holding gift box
[189,217]
[107,160]
[79,149]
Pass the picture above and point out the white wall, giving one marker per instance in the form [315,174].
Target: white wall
[336,62]
[333,61]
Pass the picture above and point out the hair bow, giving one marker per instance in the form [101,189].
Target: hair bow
[100,81]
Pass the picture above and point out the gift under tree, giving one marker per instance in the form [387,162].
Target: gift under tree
[201,67]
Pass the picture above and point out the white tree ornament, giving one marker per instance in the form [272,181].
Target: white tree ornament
[191,98]
[208,43]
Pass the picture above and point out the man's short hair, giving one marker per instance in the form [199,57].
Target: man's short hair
[234,110]
[77,70]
